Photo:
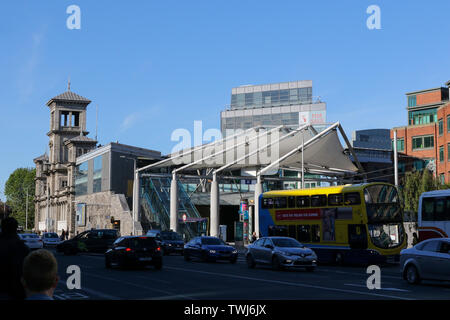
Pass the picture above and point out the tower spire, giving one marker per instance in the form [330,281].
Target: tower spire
[68,85]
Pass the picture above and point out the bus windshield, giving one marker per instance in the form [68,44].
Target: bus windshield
[386,236]
[382,204]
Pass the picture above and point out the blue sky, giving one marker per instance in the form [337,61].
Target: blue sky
[154,66]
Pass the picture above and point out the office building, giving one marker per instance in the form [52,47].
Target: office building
[427,135]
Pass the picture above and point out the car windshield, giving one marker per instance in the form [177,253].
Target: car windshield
[386,235]
[286,243]
[170,236]
[143,242]
[212,241]
[51,235]
[30,236]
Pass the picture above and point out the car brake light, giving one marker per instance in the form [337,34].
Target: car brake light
[158,249]
[128,249]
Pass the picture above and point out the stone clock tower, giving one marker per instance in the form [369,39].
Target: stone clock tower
[55,192]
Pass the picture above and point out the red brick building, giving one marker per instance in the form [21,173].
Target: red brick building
[427,134]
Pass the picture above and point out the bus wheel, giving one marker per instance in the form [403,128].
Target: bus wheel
[338,259]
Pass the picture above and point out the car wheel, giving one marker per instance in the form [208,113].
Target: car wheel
[107,263]
[310,269]
[276,263]
[250,261]
[412,275]
[186,257]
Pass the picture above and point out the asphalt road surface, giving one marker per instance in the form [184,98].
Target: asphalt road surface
[195,280]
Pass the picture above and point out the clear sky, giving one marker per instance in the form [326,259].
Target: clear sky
[154,66]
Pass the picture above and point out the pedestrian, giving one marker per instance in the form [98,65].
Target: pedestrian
[253,238]
[40,275]
[12,254]
[63,235]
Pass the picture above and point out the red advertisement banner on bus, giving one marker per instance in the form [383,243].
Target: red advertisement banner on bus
[305,214]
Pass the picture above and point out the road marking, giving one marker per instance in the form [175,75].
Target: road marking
[139,286]
[290,283]
[357,273]
[363,286]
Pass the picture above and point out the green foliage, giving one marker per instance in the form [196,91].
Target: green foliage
[21,180]
[414,184]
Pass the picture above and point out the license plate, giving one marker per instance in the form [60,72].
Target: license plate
[145,259]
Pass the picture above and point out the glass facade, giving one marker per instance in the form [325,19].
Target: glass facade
[81,179]
[84,183]
[411,101]
[97,176]
[400,144]
[422,142]
[272,98]
[247,122]
[422,116]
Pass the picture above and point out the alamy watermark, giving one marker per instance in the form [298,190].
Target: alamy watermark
[374,20]
[74,20]
[374,280]
[243,147]
[74,280]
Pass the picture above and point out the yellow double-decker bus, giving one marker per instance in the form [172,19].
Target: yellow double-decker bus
[360,223]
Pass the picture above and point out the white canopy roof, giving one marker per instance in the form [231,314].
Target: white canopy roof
[268,148]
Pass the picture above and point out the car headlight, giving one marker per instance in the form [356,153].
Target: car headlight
[212,251]
[234,251]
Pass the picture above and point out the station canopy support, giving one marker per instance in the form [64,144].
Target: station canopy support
[260,152]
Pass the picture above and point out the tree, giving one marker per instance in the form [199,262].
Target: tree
[18,184]
[414,184]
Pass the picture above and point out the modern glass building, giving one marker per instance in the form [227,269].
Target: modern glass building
[286,103]
[110,168]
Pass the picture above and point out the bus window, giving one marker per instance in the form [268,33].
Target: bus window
[447,216]
[427,209]
[291,202]
[352,198]
[303,233]
[319,200]
[302,201]
[315,233]
[280,202]
[335,199]
[267,203]
[440,209]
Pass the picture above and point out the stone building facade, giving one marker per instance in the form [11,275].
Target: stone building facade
[55,189]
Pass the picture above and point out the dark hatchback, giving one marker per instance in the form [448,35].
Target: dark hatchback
[171,242]
[94,240]
[134,251]
[209,249]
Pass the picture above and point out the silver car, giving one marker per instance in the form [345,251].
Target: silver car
[281,252]
[50,239]
[31,240]
[428,260]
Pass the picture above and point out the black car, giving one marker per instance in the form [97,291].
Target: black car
[170,241]
[209,249]
[94,240]
[134,251]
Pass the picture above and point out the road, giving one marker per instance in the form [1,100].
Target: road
[221,280]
